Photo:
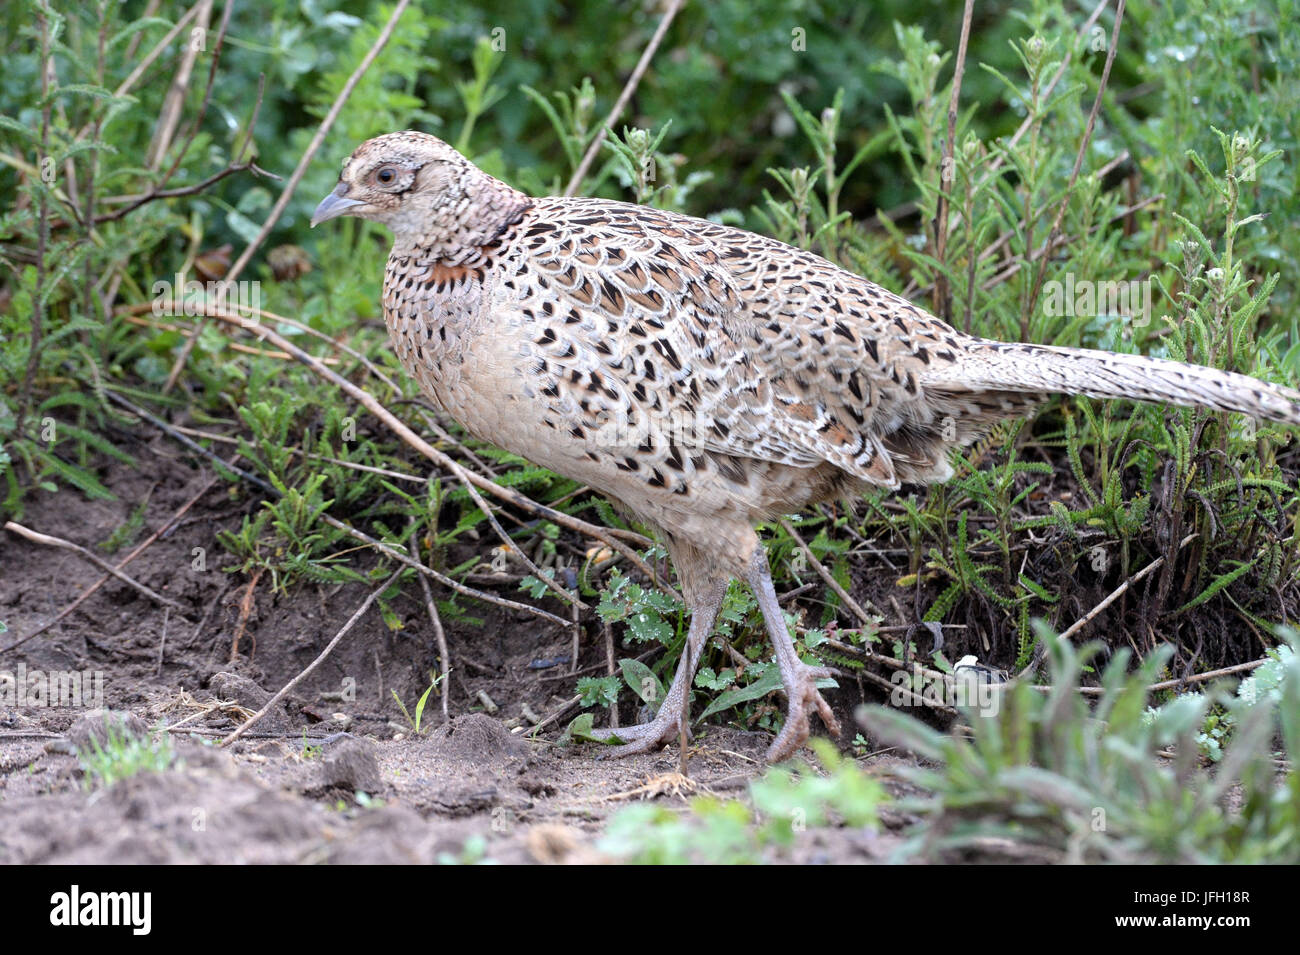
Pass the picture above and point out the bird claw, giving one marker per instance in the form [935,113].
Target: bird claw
[641,738]
[804,699]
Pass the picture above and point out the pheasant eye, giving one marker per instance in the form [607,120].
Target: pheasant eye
[386,176]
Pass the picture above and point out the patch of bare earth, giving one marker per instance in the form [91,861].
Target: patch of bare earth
[287,791]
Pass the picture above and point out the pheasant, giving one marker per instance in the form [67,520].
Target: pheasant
[702,377]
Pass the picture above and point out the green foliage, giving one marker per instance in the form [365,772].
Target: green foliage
[645,610]
[638,155]
[416,722]
[286,539]
[764,679]
[123,755]
[473,852]
[1264,687]
[642,681]
[599,690]
[785,803]
[716,832]
[1228,487]
[127,531]
[1050,773]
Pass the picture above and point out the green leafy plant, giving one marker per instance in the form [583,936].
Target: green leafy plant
[1110,782]
[416,722]
[122,755]
[783,804]
[1264,687]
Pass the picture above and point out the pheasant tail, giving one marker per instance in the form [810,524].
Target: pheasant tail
[1012,367]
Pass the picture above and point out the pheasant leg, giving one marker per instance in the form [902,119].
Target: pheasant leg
[671,719]
[799,679]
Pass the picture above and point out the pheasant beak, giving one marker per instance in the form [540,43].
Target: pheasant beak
[334,205]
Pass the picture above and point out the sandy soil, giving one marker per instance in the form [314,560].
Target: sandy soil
[472,788]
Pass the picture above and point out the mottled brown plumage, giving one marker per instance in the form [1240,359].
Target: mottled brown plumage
[704,377]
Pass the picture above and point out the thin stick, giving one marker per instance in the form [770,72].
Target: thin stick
[456,585]
[549,580]
[171,522]
[245,611]
[897,688]
[188,442]
[577,635]
[205,709]
[374,595]
[559,712]
[826,575]
[287,193]
[149,12]
[230,343]
[892,662]
[1106,602]
[142,308]
[609,670]
[149,57]
[214,61]
[444,655]
[947,171]
[1119,592]
[38,538]
[1079,157]
[998,278]
[1209,675]
[294,452]
[628,88]
[1171,684]
[1065,63]
[135,202]
[174,100]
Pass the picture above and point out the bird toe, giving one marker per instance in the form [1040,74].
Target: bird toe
[641,738]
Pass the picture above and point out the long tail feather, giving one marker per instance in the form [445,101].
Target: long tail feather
[1011,366]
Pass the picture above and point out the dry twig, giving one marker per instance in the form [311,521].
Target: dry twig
[628,88]
[287,193]
[37,538]
[329,648]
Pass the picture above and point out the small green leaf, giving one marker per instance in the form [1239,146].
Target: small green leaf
[765,684]
[642,681]
[580,728]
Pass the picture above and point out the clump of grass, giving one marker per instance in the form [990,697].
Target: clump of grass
[122,755]
[416,722]
[1111,782]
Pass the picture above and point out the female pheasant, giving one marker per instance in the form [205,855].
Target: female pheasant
[703,377]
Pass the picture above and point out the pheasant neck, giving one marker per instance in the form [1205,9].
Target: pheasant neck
[465,232]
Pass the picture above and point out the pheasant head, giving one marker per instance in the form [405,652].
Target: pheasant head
[431,197]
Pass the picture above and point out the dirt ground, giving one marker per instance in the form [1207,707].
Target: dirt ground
[473,788]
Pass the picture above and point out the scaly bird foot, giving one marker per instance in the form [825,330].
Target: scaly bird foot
[804,698]
[643,737]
